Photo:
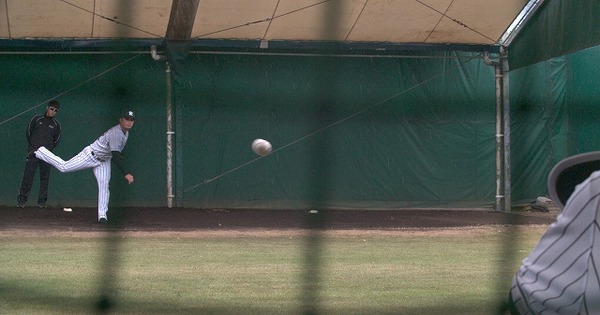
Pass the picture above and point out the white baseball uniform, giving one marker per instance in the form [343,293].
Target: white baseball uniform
[96,156]
[561,275]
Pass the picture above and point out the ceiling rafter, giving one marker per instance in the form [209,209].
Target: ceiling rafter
[398,22]
[181,20]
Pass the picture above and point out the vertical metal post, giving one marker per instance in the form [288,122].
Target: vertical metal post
[500,201]
[506,121]
[500,197]
[170,133]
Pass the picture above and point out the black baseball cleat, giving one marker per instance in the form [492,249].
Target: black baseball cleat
[20,205]
[102,221]
[41,205]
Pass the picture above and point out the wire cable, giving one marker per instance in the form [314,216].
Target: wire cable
[443,14]
[71,89]
[269,19]
[114,19]
[274,17]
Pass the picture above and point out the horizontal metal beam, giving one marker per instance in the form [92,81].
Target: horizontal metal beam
[9,46]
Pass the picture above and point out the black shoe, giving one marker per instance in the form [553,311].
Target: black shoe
[102,221]
[42,205]
[20,205]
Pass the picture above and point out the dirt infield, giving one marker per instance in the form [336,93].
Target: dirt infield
[183,219]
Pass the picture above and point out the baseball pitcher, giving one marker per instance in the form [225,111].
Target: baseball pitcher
[98,157]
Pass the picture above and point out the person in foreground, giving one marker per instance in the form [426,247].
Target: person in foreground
[562,273]
[98,156]
[42,130]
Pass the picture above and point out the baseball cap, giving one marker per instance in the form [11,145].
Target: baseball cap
[128,114]
[569,173]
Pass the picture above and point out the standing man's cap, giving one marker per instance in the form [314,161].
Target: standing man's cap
[569,173]
[128,114]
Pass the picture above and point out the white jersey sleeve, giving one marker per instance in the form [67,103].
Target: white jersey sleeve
[114,139]
[561,275]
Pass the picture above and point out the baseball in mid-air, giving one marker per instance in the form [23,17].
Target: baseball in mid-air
[261,147]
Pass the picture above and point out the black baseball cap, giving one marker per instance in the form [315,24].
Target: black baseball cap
[128,114]
[569,173]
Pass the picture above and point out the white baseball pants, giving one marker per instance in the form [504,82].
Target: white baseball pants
[85,159]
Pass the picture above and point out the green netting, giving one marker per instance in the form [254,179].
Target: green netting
[404,132]
[559,28]
[91,98]
[394,138]
[554,109]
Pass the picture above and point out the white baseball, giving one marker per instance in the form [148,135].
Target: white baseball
[261,147]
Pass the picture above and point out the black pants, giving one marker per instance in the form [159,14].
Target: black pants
[31,165]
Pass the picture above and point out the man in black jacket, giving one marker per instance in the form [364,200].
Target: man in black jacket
[43,130]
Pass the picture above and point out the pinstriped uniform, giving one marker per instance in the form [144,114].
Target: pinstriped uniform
[96,156]
[561,275]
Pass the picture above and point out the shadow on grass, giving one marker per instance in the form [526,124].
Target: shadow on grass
[16,299]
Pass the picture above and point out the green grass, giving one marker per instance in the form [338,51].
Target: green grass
[457,272]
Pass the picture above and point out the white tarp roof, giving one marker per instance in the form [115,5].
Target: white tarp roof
[395,21]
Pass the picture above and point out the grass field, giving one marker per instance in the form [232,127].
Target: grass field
[440,271]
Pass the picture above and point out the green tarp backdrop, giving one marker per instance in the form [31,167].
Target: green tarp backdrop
[358,132]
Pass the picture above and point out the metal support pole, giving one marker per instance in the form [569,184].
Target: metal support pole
[506,121]
[500,201]
[170,133]
[500,193]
